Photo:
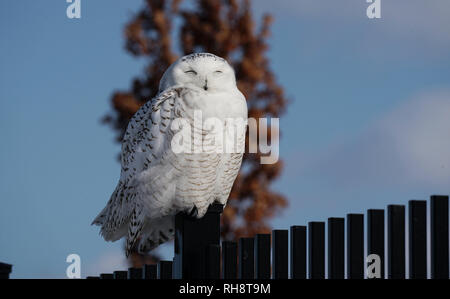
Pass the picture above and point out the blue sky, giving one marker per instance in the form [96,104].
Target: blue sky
[368,123]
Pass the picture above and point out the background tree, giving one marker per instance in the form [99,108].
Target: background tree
[161,32]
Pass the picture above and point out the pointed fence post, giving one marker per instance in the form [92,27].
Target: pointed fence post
[192,238]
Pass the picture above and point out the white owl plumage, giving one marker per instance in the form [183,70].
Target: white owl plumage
[157,182]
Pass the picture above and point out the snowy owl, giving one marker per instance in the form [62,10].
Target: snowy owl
[156,181]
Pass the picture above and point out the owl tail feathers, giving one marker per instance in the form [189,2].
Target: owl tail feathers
[113,219]
[135,227]
[101,218]
[156,232]
[107,232]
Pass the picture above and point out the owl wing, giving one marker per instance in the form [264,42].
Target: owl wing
[148,134]
[145,141]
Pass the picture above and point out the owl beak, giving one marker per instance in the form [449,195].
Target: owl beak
[205,87]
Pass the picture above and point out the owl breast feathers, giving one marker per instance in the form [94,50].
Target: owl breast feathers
[181,152]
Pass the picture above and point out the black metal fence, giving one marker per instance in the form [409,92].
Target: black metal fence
[300,252]
[199,254]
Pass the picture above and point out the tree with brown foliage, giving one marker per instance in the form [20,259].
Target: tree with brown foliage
[164,30]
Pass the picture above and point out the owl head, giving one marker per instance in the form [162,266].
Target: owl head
[202,71]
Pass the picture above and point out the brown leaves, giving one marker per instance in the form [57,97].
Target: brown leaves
[126,103]
[225,28]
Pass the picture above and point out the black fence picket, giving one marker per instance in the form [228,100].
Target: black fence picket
[262,256]
[375,236]
[120,274]
[5,270]
[396,242]
[134,273]
[213,261]
[192,238]
[417,239]
[165,270]
[280,254]
[355,246]
[150,272]
[298,252]
[246,258]
[229,260]
[439,237]
[336,248]
[316,250]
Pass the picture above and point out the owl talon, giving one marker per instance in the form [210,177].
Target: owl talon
[193,213]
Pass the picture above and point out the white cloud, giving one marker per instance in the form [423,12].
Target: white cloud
[410,146]
[420,131]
